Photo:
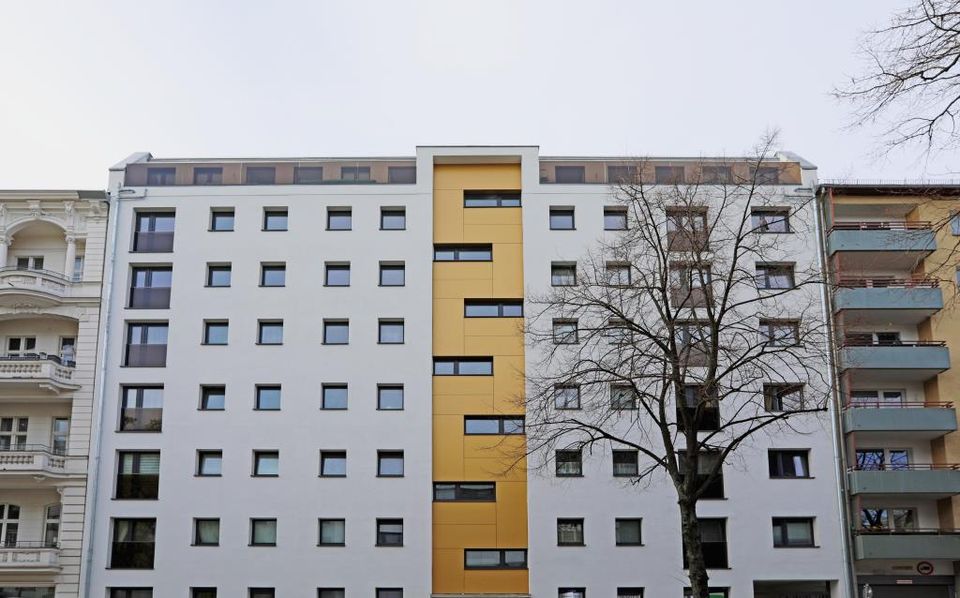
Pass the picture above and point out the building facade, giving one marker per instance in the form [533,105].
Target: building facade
[314,373]
[891,252]
[51,261]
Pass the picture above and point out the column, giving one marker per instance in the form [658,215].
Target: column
[4,243]
[71,256]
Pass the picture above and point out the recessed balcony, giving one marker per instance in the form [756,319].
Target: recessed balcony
[900,420]
[37,371]
[906,361]
[29,557]
[895,244]
[907,544]
[901,301]
[917,480]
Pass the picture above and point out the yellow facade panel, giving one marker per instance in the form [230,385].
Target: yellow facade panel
[507,234]
[463,385]
[493,345]
[461,405]
[496,582]
[463,535]
[460,289]
[506,327]
[458,177]
[512,513]
[462,271]
[449,513]
[448,573]
[495,217]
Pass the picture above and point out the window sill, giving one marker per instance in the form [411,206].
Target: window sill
[561,229]
[379,475]
[269,344]
[264,475]
[391,285]
[262,545]
[392,229]
[388,545]
[389,343]
[331,545]
[219,230]
[333,408]
[793,477]
[389,408]
[339,230]
[139,431]
[274,230]
[330,475]
[209,409]
[208,475]
[571,545]
[204,545]
[795,547]
[216,286]
[630,544]
[569,475]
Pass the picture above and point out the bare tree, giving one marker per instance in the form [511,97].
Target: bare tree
[673,342]
[912,79]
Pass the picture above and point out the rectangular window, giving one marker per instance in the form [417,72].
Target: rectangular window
[133,543]
[463,366]
[707,461]
[789,463]
[138,474]
[886,519]
[209,463]
[626,463]
[154,232]
[563,275]
[263,532]
[955,225]
[569,532]
[629,592]
[206,532]
[713,538]
[390,332]
[337,275]
[334,396]
[333,532]
[622,175]
[618,274]
[161,177]
[569,174]
[765,175]
[494,559]
[355,174]
[716,175]
[390,464]
[566,396]
[389,593]
[687,229]
[333,464]
[308,175]
[218,275]
[401,175]
[389,532]
[561,218]
[215,332]
[390,397]
[266,463]
[273,275]
[141,409]
[627,532]
[150,287]
[221,219]
[491,199]
[775,276]
[275,219]
[13,433]
[464,491]
[614,218]
[339,219]
[493,308]
[569,463]
[780,333]
[565,332]
[393,274]
[212,175]
[622,397]
[331,593]
[393,218]
[146,345]
[793,531]
[268,397]
[261,175]
[262,593]
[270,332]
[213,397]
[783,397]
[668,175]
[493,424]
[336,332]
[462,253]
[770,221]
[203,592]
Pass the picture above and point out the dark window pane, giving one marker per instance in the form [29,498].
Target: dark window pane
[402,175]
[208,176]
[261,175]
[569,174]
[308,175]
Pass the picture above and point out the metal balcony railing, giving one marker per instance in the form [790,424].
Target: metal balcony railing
[916,282]
[855,404]
[907,467]
[889,225]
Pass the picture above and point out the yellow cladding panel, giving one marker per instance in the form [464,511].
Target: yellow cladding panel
[496,582]
[512,513]
[450,513]
[458,535]
[508,270]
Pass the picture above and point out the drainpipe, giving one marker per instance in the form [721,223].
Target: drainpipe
[836,436]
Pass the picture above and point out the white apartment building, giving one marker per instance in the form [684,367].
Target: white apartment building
[310,373]
[51,260]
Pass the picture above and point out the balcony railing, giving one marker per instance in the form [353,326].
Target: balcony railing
[29,555]
[146,355]
[46,281]
[933,480]
[918,282]
[885,237]
[39,367]
[908,467]
[132,555]
[858,404]
[137,485]
[32,459]
[153,242]
[144,419]
[150,297]
[917,543]
[890,225]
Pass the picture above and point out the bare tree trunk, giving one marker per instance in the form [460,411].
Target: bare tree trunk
[696,564]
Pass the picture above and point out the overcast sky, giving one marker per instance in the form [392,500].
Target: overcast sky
[84,84]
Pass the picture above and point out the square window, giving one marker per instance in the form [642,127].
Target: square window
[389,532]
[406,175]
[208,175]
[203,592]
[336,332]
[615,219]
[566,396]
[775,276]
[569,532]
[275,219]
[334,396]
[209,463]
[339,219]
[263,593]
[263,532]
[391,332]
[333,464]
[393,218]
[206,532]
[571,593]
[622,397]
[569,463]
[215,332]
[273,275]
[308,175]
[390,397]
[266,463]
[628,532]
[270,332]
[392,275]
[563,275]
[618,274]
[789,463]
[261,175]
[268,398]
[390,464]
[793,531]
[561,219]
[213,398]
[389,592]
[331,593]
[337,275]
[565,332]
[626,463]
[333,532]
[770,221]
[221,219]
[129,593]
[218,275]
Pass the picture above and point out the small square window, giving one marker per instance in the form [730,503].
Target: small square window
[618,275]
[390,464]
[569,463]
[389,592]
[565,332]
[566,396]
[626,463]
[390,397]
[615,218]
[334,396]
[336,332]
[793,531]
[337,275]
[221,219]
[263,532]
[622,397]
[273,275]
[389,532]
[333,464]
[390,332]
[392,275]
[339,219]
[308,175]
[209,463]
[569,532]
[561,219]
[628,532]
[213,398]
[218,275]
[266,463]
[206,532]
[215,332]
[270,332]
[275,219]
[393,218]
[268,398]
[333,532]
[261,175]
[563,275]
